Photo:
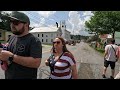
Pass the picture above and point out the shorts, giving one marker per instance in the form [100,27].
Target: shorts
[112,64]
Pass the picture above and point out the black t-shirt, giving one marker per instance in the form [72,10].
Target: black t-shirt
[28,46]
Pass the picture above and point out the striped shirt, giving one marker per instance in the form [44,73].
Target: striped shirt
[62,67]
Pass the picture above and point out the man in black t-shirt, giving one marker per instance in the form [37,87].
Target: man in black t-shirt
[24,51]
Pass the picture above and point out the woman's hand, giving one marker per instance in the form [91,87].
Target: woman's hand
[47,63]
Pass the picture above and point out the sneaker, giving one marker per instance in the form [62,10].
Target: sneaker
[103,76]
[111,77]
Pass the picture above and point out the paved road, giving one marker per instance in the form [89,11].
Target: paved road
[89,62]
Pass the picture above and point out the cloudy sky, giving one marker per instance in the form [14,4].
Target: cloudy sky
[74,19]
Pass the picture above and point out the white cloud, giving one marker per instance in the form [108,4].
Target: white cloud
[52,19]
[87,13]
[69,25]
[35,19]
[77,20]
[42,21]
[75,23]
[74,17]
[87,18]
[33,24]
[46,14]
[6,12]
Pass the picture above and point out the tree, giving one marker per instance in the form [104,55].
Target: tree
[5,22]
[104,22]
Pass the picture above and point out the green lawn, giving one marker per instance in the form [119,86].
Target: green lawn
[2,41]
[100,50]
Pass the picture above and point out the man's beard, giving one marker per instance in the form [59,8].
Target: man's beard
[21,31]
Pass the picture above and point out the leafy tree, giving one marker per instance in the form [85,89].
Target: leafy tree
[5,22]
[104,22]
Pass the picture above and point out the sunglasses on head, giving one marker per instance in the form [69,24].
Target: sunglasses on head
[16,22]
[58,42]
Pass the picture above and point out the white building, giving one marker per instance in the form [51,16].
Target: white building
[4,35]
[48,34]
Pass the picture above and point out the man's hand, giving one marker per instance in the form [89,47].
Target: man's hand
[4,55]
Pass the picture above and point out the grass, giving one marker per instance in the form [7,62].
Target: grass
[2,41]
[100,50]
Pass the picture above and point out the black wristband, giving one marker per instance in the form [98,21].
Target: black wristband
[11,58]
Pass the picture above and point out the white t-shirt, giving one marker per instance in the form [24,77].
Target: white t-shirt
[111,56]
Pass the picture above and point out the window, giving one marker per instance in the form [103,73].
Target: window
[46,35]
[51,35]
[42,40]
[42,35]
[38,35]
[9,36]
[46,40]
[51,40]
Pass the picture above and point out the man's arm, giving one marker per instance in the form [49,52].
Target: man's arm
[106,52]
[32,61]
[27,61]
[117,52]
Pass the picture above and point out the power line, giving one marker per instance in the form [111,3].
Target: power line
[37,20]
[33,17]
[56,20]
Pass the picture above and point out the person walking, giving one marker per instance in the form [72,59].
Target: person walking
[118,56]
[61,62]
[110,58]
[24,51]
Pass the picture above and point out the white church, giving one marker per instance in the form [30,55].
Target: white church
[48,34]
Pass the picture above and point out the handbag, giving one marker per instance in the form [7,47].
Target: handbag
[4,65]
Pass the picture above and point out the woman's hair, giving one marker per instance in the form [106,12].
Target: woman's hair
[64,45]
